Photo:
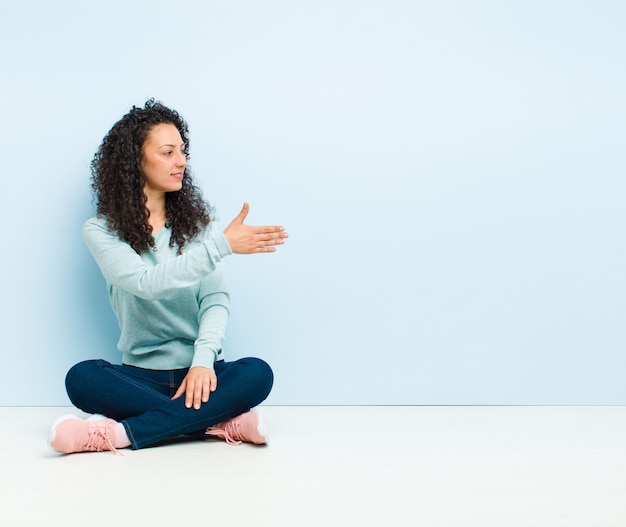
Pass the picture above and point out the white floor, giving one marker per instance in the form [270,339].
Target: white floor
[335,466]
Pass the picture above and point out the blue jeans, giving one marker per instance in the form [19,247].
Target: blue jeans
[141,399]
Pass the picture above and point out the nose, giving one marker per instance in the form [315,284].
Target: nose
[182,160]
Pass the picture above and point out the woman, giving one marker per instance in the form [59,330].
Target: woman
[162,259]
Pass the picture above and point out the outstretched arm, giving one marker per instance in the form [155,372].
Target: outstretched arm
[124,268]
[246,239]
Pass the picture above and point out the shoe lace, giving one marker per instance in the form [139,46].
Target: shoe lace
[229,431]
[99,440]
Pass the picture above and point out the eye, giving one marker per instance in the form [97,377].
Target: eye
[168,153]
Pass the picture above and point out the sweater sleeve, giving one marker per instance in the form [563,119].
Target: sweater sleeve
[124,268]
[213,315]
[213,319]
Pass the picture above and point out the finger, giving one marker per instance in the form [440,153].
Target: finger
[213,385]
[277,237]
[268,229]
[197,395]
[181,390]
[244,212]
[206,389]
[268,245]
[189,394]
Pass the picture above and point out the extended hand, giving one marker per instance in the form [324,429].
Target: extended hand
[197,385]
[245,239]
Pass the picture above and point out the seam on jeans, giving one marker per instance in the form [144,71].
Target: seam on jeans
[130,435]
[137,385]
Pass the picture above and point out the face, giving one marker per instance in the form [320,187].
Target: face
[163,162]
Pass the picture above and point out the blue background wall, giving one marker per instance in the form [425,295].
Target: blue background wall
[451,174]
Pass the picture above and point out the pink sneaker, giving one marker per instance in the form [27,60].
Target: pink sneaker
[71,434]
[246,427]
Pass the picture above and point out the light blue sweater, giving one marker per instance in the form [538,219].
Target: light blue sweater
[172,310]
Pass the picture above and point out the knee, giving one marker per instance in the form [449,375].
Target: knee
[77,379]
[263,375]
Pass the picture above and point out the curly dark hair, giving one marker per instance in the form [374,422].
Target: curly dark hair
[117,182]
